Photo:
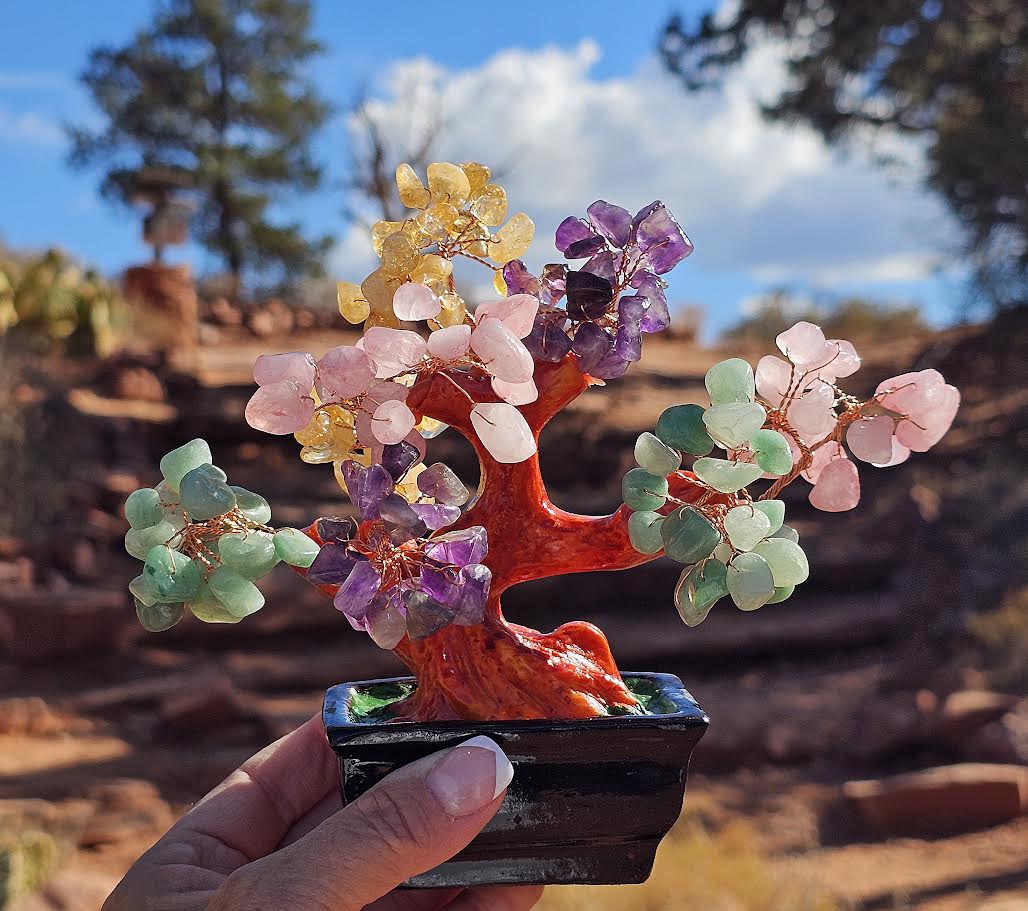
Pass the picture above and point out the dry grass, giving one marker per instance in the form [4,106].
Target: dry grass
[26,860]
[700,871]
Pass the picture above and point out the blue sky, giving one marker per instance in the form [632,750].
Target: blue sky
[568,97]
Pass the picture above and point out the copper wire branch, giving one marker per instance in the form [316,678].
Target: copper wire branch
[195,538]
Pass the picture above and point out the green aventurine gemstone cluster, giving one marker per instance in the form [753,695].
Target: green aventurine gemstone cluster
[744,550]
[736,421]
[203,543]
[757,561]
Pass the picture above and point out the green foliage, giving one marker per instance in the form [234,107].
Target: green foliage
[49,303]
[853,318]
[214,90]
[948,71]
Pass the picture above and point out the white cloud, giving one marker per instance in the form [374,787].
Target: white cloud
[760,199]
[352,257]
[899,267]
[29,127]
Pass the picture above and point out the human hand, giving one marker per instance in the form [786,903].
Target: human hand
[274,835]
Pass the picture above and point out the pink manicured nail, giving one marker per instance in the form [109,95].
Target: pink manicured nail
[470,776]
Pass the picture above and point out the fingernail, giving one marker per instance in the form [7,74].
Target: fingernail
[471,776]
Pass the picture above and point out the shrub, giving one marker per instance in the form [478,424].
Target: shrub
[49,303]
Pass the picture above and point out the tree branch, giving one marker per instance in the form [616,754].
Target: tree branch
[539,539]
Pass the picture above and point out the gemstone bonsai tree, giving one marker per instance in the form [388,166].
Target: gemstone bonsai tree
[422,566]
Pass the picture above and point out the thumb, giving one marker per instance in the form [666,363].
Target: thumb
[411,821]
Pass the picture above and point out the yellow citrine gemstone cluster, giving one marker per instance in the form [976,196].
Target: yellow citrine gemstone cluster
[329,437]
[455,213]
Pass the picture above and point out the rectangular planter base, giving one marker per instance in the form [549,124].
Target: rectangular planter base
[551,865]
[590,800]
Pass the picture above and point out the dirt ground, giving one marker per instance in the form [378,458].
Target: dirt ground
[107,734]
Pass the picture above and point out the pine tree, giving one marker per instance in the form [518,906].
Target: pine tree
[214,90]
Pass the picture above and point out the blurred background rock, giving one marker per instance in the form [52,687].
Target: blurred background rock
[869,738]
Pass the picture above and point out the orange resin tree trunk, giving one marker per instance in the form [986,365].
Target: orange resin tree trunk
[499,670]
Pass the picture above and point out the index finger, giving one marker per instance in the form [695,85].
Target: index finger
[252,810]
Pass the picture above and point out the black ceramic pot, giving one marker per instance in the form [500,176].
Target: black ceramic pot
[591,798]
